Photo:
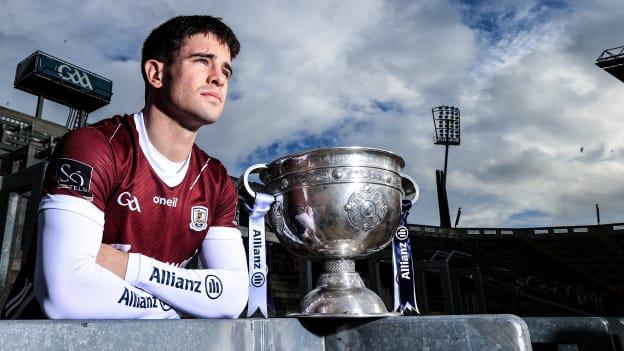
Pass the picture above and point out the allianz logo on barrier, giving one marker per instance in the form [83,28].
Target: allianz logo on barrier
[75,76]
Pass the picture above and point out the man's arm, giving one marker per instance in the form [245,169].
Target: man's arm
[221,290]
[68,282]
[217,292]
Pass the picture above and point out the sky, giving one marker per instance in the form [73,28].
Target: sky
[541,125]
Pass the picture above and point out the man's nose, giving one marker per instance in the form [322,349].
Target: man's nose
[217,77]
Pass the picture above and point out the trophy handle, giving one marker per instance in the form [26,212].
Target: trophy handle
[410,188]
[250,170]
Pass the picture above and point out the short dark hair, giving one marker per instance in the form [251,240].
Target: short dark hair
[165,40]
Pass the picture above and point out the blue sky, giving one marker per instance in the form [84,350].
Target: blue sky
[368,72]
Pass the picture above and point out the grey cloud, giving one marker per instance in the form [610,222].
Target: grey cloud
[530,94]
[513,167]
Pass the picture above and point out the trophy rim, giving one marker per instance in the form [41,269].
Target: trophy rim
[337,148]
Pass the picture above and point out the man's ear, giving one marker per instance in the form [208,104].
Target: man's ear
[154,72]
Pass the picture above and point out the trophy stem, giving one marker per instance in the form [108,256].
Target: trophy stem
[340,292]
[339,265]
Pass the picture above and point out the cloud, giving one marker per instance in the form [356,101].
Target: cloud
[336,73]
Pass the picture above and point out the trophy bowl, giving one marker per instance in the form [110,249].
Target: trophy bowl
[336,205]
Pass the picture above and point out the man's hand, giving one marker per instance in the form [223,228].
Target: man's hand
[112,259]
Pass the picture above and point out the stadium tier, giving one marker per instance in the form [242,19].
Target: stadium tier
[612,61]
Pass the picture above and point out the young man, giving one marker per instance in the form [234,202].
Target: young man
[129,200]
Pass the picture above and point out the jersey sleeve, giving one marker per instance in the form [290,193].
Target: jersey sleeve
[225,211]
[82,166]
[69,284]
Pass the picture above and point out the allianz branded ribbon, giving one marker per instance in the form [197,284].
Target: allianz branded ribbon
[257,256]
[402,266]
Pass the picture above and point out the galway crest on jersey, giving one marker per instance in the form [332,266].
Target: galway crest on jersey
[199,218]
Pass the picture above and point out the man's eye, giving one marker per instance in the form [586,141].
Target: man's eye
[202,60]
[227,74]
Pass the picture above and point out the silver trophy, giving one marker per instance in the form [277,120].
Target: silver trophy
[336,205]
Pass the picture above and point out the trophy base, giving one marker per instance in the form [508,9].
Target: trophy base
[341,293]
[342,316]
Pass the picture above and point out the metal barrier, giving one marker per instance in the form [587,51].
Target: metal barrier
[11,188]
[478,332]
[616,327]
[571,333]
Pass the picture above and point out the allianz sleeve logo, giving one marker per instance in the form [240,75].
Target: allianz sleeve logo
[132,299]
[214,286]
[165,277]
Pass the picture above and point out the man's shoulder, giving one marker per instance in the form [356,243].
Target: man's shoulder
[87,161]
[115,127]
[106,128]
[114,131]
[204,157]
[215,167]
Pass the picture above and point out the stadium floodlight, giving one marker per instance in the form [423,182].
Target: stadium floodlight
[447,132]
[612,61]
[447,128]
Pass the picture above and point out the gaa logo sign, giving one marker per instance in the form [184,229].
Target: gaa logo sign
[74,76]
[214,287]
[402,233]
[257,279]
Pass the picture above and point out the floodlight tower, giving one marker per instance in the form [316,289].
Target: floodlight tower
[446,124]
[612,61]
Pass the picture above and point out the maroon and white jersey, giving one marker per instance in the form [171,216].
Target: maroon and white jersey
[166,217]
[108,184]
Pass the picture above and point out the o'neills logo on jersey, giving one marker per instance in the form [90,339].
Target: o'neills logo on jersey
[74,175]
[126,199]
[199,218]
[173,202]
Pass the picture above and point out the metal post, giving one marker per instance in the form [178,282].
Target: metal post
[10,204]
[445,162]
[40,101]
[597,214]
[374,280]
[445,217]
[305,277]
[457,217]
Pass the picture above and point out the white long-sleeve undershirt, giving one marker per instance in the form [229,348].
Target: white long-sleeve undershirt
[70,284]
[217,292]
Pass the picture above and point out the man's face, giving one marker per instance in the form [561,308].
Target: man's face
[196,81]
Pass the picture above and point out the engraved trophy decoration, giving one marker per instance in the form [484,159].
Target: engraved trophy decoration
[336,205]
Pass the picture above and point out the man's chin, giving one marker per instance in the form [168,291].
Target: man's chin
[205,119]
[210,120]
[193,123]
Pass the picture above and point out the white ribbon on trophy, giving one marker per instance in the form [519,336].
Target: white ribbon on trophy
[258,270]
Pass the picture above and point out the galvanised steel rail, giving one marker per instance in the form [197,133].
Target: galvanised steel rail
[537,233]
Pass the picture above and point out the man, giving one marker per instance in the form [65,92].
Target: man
[130,200]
